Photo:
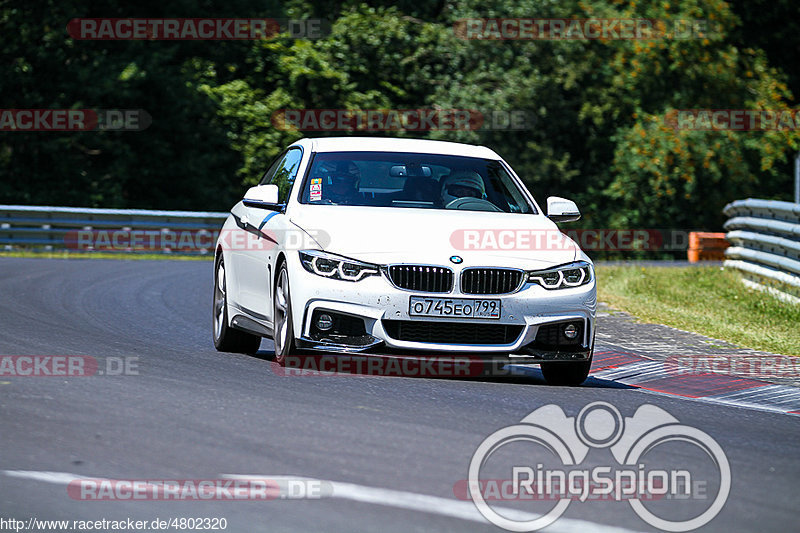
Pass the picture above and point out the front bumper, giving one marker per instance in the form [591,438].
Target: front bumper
[381,305]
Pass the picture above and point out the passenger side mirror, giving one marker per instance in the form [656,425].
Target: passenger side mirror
[262,196]
[562,210]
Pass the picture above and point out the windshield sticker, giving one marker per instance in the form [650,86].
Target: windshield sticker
[316,189]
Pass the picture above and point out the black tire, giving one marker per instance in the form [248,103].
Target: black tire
[283,329]
[568,374]
[226,338]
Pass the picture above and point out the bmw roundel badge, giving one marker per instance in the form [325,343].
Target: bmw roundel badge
[456,259]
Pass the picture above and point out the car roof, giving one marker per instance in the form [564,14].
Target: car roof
[388,144]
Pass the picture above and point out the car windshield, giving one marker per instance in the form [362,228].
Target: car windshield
[426,181]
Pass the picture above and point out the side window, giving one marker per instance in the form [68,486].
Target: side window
[286,172]
[267,177]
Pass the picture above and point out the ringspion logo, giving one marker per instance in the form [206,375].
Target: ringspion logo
[542,459]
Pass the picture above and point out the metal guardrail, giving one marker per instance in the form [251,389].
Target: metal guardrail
[765,244]
[56,228]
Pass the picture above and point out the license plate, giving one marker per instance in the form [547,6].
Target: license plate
[454,307]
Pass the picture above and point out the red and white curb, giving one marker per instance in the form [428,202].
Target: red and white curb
[656,376]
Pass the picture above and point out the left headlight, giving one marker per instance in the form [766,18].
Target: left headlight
[562,277]
[336,267]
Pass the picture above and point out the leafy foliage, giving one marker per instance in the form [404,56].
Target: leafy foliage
[599,135]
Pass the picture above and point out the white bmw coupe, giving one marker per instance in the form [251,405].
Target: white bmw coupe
[403,246]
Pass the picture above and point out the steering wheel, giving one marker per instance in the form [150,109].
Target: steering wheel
[468,203]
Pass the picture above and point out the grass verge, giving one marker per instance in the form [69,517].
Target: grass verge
[711,301]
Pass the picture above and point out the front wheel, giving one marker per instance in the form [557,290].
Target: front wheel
[227,339]
[283,329]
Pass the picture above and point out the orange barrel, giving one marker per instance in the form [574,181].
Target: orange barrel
[705,246]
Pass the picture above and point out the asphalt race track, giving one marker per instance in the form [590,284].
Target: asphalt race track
[392,447]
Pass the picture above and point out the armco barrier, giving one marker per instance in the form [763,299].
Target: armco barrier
[54,228]
[765,244]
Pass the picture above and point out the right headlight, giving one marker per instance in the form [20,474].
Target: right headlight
[336,267]
[562,277]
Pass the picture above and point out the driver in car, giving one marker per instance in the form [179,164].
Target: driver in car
[462,184]
[341,184]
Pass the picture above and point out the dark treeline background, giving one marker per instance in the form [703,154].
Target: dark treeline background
[599,138]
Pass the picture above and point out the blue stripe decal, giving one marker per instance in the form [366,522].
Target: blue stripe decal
[266,219]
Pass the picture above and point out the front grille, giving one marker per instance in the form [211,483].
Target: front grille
[422,278]
[551,336]
[451,332]
[490,280]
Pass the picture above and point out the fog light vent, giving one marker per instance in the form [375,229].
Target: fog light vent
[324,322]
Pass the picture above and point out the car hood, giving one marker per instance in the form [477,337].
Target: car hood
[427,236]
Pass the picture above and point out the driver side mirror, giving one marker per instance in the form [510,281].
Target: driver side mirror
[262,196]
[562,210]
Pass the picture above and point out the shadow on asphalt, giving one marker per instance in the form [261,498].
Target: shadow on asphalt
[367,365]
